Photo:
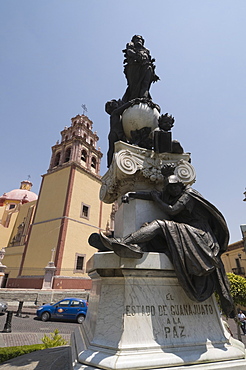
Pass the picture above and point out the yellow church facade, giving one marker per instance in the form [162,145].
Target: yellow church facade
[51,233]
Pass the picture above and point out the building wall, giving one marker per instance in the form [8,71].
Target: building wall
[44,233]
[85,191]
[52,195]
[30,282]
[58,224]
[14,251]
[64,282]
[12,260]
[234,259]
[5,232]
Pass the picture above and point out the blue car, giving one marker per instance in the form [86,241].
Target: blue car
[68,309]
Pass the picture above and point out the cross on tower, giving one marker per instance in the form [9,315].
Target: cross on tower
[83,106]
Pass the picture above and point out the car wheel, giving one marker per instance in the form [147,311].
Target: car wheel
[45,316]
[80,319]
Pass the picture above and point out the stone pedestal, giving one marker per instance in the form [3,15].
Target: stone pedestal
[141,211]
[2,274]
[50,270]
[140,318]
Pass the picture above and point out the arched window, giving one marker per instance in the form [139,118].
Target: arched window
[83,155]
[92,142]
[93,162]
[67,155]
[57,159]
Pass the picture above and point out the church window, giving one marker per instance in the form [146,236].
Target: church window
[79,262]
[93,162]
[67,155]
[57,159]
[83,155]
[11,206]
[85,211]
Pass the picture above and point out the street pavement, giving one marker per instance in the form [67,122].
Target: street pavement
[28,330]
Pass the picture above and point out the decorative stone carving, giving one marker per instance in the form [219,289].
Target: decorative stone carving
[141,168]
[129,162]
[185,172]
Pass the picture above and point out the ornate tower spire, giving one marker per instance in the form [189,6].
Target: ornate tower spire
[78,145]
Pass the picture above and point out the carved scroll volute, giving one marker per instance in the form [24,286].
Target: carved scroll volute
[128,162]
[185,172]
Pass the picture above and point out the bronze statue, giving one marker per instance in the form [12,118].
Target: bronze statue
[192,233]
[115,108]
[139,69]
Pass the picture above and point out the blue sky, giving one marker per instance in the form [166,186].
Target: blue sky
[59,54]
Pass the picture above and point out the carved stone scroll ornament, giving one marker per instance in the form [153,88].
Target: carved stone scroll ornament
[129,162]
[132,166]
[185,172]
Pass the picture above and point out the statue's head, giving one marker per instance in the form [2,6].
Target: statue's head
[137,39]
[174,185]
[111,105]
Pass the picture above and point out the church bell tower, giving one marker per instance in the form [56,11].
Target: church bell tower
[68,209]
[78,145]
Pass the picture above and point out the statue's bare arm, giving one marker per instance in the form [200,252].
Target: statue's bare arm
[171,210]
[145,195]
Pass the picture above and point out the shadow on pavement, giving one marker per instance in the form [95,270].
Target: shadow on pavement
[58,358]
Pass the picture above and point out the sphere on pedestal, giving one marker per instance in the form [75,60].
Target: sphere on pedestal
[138,117]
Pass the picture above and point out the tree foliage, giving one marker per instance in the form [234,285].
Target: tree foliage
[237,288]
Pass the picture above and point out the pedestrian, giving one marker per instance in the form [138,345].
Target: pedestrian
[242,319]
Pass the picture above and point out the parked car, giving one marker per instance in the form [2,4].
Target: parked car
[3,307]
[66,309]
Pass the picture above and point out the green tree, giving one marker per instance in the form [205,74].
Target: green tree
[238,293]
[237,289]
[54,340]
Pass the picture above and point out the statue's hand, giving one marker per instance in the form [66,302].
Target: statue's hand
[155,195]
[125,198]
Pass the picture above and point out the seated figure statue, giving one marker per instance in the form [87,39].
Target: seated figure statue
[192,233]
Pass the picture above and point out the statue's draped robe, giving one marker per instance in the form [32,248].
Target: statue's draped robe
[139,74]
[194,240]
